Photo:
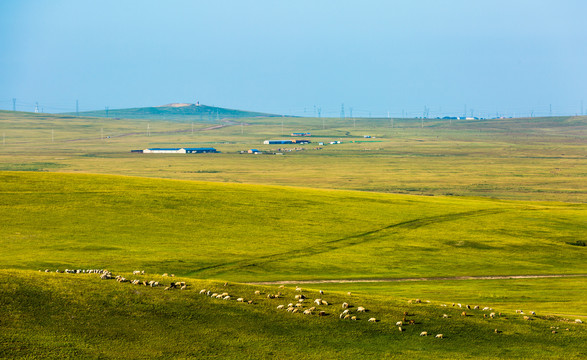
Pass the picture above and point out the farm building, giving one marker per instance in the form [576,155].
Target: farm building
[254,151]
[267,142]
[178,150]
[301,134]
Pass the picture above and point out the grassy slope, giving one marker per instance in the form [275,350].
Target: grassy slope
[66,316]
[246,232]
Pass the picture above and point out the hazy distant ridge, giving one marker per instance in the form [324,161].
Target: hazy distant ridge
[177,111]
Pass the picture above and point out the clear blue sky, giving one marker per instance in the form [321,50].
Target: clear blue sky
[506,56]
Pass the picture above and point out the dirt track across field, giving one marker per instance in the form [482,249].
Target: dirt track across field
[341,281]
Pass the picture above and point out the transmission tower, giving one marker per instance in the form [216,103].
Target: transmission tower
[36,107]
[341,111]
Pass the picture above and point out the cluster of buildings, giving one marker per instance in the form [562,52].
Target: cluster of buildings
[176,151]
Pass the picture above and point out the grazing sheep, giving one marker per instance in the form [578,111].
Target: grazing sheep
[532,313]
[294,311]
[400,329]
[227,297]
[281,286]
[399,323]
[280,306]
[353,318]
[463,313]
[486,308]
[165,274]
[445,316]
[250,302]
[318,301]
[307,312]
[349,293]
[322,313]
[443,305]
[468,307]
[270,296]
[424,333]
[459,305]
[324,302]
[224,294]
[299,305]
[554,331]
[219,297]
[313,308]
[418,301]
[202,291]
[492,315]
[578,321]
[289,305]
[243,300]
[301,300]
[257,292]
[476,307]
[346,311]
[297,297]
[439,336]
[298,288]
[167,288]
[345,305]
[372,320]
[360,309]
[519,312]
[290,309]
[321,292]
[183,287]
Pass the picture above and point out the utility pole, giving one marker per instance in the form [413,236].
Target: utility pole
[13,104]
[106,111]
[36,107]
[342,111]
[77,108]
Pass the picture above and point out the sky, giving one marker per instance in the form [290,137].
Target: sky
[370,58]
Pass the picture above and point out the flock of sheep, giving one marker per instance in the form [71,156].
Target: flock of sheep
[300,303]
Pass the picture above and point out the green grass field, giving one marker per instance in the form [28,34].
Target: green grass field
[460,198]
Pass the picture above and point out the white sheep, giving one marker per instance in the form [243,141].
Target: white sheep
[307,312]
[280,307]
[445,316]
[318,301]
[424,333]
[227,297]
[321,292]
[243,300]
[353,318]
[257,292]
[439,336]
[324,302]
[345,305]
[399,323]
[361,309]
[202,291]
[298,288]
[578,321]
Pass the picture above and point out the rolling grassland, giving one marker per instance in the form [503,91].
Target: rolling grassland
[518,159]
[251,233]
[73,316]
[515,206]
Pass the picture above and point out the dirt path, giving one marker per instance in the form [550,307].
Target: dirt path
[342,281]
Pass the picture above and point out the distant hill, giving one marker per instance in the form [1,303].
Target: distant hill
[176,111]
